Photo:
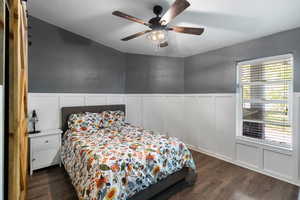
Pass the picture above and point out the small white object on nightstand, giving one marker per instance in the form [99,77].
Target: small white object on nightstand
[44,149]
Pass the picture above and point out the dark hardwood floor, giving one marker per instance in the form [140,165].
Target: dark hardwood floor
[217,180]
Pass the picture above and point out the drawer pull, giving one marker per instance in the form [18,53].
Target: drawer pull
[33,159]
[46,141]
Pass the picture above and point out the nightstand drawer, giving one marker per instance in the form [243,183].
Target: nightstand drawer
[45,158]
[44,149]
[46,142]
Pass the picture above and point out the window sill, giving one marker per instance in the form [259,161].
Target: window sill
[265,145]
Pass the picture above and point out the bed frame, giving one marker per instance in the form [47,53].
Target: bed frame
[165,187]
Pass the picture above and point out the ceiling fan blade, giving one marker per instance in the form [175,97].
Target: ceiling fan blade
[136,35]
[164,44]
[178,7]
[131,18]
[187,30]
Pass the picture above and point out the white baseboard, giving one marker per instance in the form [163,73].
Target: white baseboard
[204,151]
[224,158]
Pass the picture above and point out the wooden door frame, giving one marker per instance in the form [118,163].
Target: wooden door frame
[18,90]
[6,100]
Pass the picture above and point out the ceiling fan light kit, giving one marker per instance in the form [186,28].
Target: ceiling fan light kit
[158,36]
[159,26]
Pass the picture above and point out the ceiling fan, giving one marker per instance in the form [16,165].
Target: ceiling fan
[160,25]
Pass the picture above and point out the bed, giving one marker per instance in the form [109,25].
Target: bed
[123,162]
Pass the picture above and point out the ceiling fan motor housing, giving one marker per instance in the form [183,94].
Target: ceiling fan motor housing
[155,21]
[157,10]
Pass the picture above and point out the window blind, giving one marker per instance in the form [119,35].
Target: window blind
[265,88]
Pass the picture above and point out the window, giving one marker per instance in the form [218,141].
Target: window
[265,88]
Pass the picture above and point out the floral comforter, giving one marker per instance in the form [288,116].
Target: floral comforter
[116,163]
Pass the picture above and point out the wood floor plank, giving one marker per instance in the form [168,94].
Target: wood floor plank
[217,180]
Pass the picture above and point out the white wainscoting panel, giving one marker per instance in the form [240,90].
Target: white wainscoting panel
[205,122]
[200,121]
[72,100]
[247,155]
[115,99]
[174,116]
[134,110]
[225,126]
[47,107]
[278,163]
[153,115]
[91,100]
[191,115]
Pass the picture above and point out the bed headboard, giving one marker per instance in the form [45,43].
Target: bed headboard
[67,111]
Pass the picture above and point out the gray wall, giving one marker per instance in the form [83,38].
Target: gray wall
[60,61]
[154,74]
[215,71]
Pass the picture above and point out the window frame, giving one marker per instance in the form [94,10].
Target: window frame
[239,102]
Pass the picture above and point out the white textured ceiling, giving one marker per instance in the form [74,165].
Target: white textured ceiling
[226,22]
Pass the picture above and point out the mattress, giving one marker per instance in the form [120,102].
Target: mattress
[116,163]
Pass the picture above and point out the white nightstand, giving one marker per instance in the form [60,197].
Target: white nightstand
[44,149]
